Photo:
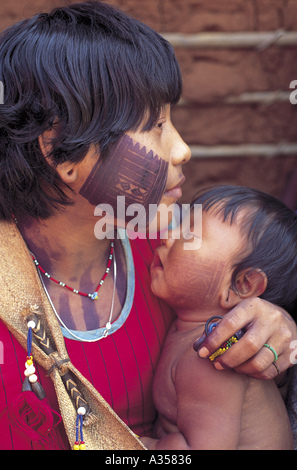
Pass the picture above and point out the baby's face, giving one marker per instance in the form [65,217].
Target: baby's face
[189,279]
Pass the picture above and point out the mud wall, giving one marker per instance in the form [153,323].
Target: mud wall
[235,110]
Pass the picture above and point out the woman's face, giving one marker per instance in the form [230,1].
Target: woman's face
[144,167]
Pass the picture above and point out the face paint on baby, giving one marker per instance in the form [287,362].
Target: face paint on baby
[189,282]
[198,278]
[202,280]
[130,171]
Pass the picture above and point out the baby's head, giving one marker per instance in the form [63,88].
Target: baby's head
[249,249]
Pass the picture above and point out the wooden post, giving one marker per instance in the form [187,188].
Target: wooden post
[238,40]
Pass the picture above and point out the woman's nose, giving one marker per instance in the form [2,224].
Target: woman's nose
[181,152]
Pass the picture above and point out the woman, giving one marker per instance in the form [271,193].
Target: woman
[86,119]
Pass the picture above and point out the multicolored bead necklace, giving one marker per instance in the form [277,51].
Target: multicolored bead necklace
[93,296]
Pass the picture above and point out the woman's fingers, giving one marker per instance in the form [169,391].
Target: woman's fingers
[263,323]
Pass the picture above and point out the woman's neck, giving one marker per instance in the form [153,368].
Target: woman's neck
[64,244]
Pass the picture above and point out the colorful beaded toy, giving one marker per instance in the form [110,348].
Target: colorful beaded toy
[209,326]
[224,347]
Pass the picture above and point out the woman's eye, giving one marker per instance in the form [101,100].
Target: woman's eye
[160,123]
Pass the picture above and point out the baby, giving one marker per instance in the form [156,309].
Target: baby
[249,249]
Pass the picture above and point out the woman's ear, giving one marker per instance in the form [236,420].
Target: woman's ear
[67,170]
[249,283]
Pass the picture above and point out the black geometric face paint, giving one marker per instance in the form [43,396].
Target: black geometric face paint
[130,171]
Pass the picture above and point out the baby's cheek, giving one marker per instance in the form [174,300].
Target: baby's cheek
[198,283]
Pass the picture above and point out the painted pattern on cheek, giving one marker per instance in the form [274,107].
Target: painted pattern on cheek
[129,171]
[201,282]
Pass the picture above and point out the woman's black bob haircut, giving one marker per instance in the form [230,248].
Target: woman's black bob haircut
[92,73]
[270,230]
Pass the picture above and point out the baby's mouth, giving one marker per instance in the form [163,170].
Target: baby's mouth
[157,263]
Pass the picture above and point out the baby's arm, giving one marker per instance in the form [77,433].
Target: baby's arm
[209,407]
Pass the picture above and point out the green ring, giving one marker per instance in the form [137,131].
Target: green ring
[272,350]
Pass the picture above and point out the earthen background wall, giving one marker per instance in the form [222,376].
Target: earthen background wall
[212,75]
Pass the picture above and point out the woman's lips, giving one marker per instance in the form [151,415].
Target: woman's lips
[175,193]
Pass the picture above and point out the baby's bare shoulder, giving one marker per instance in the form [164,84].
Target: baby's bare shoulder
[197,378]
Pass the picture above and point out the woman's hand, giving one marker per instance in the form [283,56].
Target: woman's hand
[263,323]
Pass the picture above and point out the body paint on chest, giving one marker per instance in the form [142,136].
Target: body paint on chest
[130,171]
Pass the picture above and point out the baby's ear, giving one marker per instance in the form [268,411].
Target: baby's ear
[249,283]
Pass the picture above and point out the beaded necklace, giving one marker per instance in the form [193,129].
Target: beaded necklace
[93,296]
[108,325]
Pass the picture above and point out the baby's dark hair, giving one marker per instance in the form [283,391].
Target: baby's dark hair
[92,73]
[270,229]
